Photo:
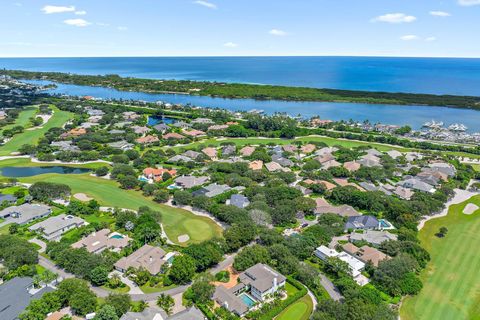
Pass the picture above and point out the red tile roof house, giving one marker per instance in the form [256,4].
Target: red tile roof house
[247,151]
[210,152]
[156,174]
[172,135]
[147,139]
[194,133]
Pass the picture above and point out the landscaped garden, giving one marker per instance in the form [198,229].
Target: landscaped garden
[452,278]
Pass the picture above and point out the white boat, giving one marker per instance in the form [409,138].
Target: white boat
[432,124]
[457,127]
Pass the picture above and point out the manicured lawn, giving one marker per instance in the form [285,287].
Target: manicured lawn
[476,167]
[452,279]
[291,290]
[117,290]
[32,136]
[300,310]
[147,289]
[176,221]
[25,162]
[23,118]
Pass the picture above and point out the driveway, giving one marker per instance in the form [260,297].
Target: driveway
[333,292]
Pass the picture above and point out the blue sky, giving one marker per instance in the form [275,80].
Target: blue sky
[239,27]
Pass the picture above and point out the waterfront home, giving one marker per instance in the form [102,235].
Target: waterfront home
[187,182]
[53,228]
[147,139]
[247,151]
[141,130]
[256,284]
[256,165]
[147,257]
[161,127]
[354,264]
[375,237]
[172,136]
[212,190]
[319,122]
[182,125]
[16,294]
[122,145]
[156,174]
[102,240]
[239,201]
[362,223]
[25,213]
[365,253]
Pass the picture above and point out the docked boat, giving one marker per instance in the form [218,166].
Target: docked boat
[457,127]
[433,124]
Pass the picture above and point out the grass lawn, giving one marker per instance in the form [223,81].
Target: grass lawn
[452,278]
[148,289]
[300,310]
[32,136]
[176,221]
[290,289]
[476,167]
[117,290]
[23,118]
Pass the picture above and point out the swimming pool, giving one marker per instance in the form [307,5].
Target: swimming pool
[117,236]
[247,300]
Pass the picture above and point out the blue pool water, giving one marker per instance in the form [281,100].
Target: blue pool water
[247,300]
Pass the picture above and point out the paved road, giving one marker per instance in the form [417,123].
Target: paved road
[333,292]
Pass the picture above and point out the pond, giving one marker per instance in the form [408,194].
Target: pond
[18,172]
[153,120]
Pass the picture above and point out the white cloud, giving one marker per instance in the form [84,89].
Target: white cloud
[57,9]
[394,18]
[81,12]
[409,37]
[230,45]
[469,3]
[278,33]
[440,14]
[77,22]
[430,39]
[103,24]
[122,28]
[206,4]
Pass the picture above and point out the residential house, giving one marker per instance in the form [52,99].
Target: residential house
[147,257]
[403,193]
[75,132]
[273,167]
[256,165]
[229,150]
[65,146]
[141,130]
[210,152]
[193,155]
[239,201]
[284,162]
[172,136]
[182,125]
[212,190]
[352,166]
[25,213]
[16,294]
[53,228]
[257,282]
[102,240]
[147,139]
[343,210]
[122,145]
[161,127]
[218,127]
[156,174]
[366,254]
[187,182]
[202,121]
[290,148]
[354,264]
[179,158]
[130,116]
[194,133]
[95,119]
[95,112]
[443,167]
[330,164]
[362,223]
[370,160]
[417,184]
[319,122]
[394,154]
[247,151]
[375,237]
[307,148]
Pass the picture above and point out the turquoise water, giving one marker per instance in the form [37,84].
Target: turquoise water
[414,116]
[420,75]
[117,236]
[247,300]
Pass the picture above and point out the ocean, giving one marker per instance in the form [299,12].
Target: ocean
[415,75]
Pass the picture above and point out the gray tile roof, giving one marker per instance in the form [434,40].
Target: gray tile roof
[362,222]
[230,301]
[25,213]
[373,236]
[261,277]
[239,201]
[191,313]
[15,297]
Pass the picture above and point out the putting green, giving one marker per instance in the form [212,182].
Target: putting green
[300,310]
[176,221]
[452,278]
[58,119]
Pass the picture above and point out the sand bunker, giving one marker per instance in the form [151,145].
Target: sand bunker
[183,238]
[470,208]
[82,197]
